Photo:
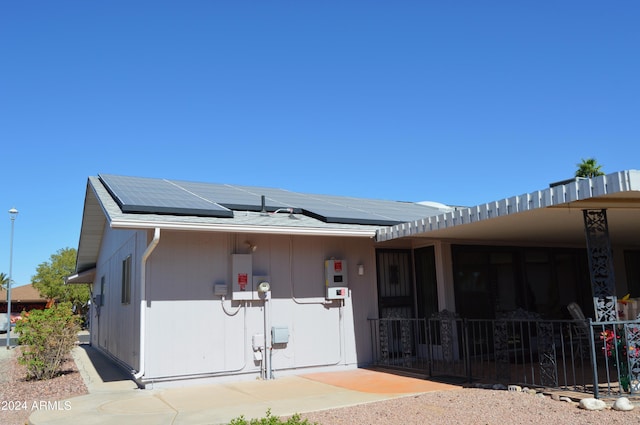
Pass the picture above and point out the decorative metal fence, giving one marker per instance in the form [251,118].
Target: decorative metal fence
[600,358]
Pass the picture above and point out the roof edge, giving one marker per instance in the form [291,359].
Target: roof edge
[309,231]
[574,190]
[84,277]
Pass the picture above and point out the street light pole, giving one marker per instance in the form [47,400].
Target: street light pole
[12,214]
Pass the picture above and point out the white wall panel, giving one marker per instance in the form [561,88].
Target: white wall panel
[188,337]
[115,329]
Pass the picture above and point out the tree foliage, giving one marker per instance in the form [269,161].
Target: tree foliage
[4,280]
[589,168]
[50,280]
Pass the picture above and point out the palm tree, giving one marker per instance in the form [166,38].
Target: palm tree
[589,168]
[4,279]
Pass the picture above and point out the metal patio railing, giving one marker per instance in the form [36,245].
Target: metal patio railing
[599,358]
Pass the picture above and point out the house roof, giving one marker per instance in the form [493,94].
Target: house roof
[551,215]
[123,202]
[547,216]
[162,196]
[24,294]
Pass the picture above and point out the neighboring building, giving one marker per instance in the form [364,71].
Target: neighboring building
[23,298]
[176,268]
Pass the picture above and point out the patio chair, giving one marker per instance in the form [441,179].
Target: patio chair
[580,331]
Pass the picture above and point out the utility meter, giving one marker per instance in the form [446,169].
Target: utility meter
[242,277]
[335,272]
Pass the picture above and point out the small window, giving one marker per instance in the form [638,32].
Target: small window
[126,280]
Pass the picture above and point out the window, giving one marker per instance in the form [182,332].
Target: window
[490,281]
[126,280]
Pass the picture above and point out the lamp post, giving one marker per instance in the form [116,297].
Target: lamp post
[12,214]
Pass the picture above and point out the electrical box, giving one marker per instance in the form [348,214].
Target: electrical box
[257,341]
[242,277]
[336,282]
[220,289]
[335,293]
[279,335]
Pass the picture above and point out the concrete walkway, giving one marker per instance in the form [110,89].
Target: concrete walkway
[114,399]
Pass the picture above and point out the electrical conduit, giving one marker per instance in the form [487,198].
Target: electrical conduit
[341,339]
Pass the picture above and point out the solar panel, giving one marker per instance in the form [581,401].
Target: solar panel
[147,195]
[238,198]
[332,209]
[342,209]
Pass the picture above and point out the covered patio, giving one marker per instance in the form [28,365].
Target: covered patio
[507,272]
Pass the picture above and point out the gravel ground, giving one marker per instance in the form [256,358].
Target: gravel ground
[19,397]
[469,406]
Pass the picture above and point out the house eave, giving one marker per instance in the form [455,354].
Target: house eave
[84,277]
[275,230]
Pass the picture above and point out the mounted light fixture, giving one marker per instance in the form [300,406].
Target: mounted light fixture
[360,269]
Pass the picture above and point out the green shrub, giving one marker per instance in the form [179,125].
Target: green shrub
[47,337]
[271,420]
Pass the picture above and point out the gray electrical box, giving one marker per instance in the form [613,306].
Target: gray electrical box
[242,277]
[220,289]
[335,275]
[279,335]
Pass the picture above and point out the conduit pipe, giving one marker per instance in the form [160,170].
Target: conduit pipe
[341,341]
[293,295]
[143,301]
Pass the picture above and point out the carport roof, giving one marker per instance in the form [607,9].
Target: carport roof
[549,216]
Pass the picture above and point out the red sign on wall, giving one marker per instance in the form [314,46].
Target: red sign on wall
[337,266]
[243,279]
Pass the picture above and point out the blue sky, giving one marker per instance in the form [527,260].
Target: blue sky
[457,102]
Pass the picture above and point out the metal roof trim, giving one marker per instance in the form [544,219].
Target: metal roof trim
[237,228]
[565,194]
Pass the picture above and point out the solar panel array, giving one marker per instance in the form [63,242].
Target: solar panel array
[160,196]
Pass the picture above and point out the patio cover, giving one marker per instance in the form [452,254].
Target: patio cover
[549,216]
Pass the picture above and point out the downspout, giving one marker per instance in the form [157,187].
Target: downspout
[143,302]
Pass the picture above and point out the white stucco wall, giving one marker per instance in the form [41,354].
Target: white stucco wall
[114,324]
[192,332]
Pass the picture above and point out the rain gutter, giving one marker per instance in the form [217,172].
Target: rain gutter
[143,302]
[308,231]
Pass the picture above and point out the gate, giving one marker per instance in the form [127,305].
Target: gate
[434,346]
